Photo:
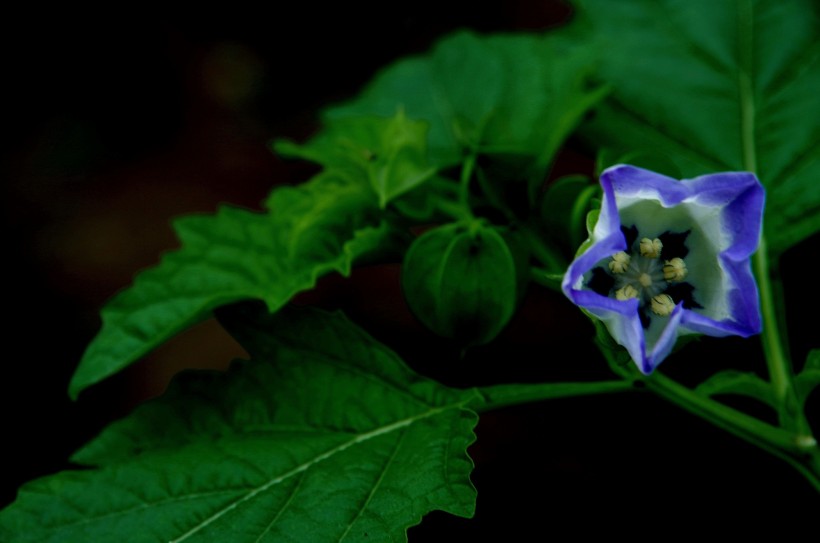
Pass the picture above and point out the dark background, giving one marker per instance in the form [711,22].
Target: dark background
[117,122]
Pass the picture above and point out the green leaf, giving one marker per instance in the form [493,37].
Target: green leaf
[324,435]
[590,222]
[717,86]
[643,159]
[460,281]
[808,379]
[508,94]
[738,382]
[311,230]
[391,153]
[426,205]
[564,209]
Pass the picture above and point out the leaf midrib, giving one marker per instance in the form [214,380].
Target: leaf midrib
[358,439]
[745,82]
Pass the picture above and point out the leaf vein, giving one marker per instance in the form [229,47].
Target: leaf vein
[694,153]
[285,505]
[376,486]
[360,438]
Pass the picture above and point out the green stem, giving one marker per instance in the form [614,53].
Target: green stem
[536,241]
[542,250]
[749,428]
[744,85]
[800,453]
[467,168]
[454,209]
[546,279]
[778,363]
[780,369]
[504,395]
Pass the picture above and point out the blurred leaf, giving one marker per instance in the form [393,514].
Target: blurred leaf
[391,153]
[590,222]
[324,435]
[505,94]
[564,209]
[425,205]
[808,379]
[460,281]
[738,382]
[648,160]
[716,86]
[311,230]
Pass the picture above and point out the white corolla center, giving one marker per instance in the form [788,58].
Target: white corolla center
[645,277]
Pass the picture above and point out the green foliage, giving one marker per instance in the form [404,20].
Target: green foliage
[390,153]
[808,379]
[504,94]
[460,281]
[310,230]
[324,435]
[738,382]
[564,209]
[716,86]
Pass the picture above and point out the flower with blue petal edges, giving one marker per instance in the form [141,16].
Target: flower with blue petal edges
[668,258]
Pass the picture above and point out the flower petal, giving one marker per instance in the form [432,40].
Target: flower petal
[723,212]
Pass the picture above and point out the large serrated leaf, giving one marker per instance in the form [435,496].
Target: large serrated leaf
[511,94]
[324,435]
[715,86]
[311,230]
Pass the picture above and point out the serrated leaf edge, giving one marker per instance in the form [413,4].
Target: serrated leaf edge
[360,438]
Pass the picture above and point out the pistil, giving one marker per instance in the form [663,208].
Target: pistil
[643,275]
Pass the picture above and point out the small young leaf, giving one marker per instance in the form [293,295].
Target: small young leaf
[311,230]
[460,281]
[564,209]
[425,205]
[391,153]
[324,435]
[738,382]
[808,379]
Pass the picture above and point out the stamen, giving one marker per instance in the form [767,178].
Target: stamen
[620,262]
[674,270]
[627,292]
[662,305]
[651,248]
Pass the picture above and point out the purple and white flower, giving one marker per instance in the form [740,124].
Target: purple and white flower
[668,258]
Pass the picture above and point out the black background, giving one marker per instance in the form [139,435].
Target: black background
[116,122]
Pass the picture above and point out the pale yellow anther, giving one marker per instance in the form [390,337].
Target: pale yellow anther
[662,305]
[651,248]
[620,262]
[627,292]
[674,270]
